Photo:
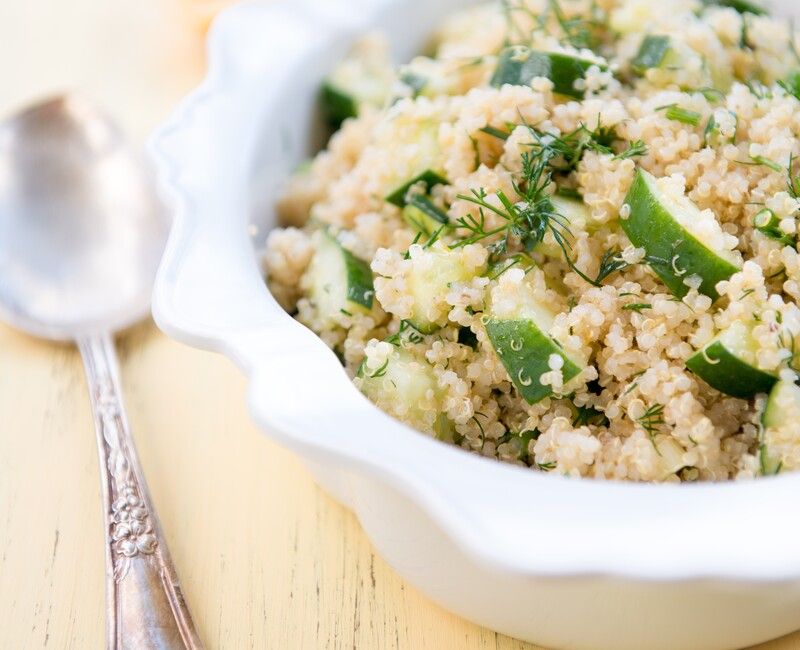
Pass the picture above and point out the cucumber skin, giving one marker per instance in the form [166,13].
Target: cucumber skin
[742,6]
[532,358]
[429,177]
[730,375]
[651,53]
[424,215]
[648,217]
[337,105]
[519,65]
[360,289]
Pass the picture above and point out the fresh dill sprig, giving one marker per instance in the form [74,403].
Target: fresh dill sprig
[610,263]
[528,220]
[652,420]
[761,161]
[635,148]
[380,372]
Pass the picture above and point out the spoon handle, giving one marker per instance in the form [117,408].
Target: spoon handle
[144,604]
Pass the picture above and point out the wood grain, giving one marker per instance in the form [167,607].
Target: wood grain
[266,559]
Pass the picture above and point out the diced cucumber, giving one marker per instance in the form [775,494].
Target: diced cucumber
[364,78]
[653,53]
[337,104]
[423,215]
[424,168]
[742,6]
[524,346]
[519,65]
[670,455]
[340,282]
[780,438]
[406,388]
[577,215]
[728,363]
[573,210]
[665,226]
[430,280]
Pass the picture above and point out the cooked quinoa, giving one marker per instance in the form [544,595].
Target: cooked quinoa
[568,240]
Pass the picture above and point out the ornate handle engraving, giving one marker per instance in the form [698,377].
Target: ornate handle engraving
[144,603]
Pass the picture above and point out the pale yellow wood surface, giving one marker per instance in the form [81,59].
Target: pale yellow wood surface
[266,559]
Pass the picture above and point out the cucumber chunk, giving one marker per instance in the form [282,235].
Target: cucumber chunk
[667,227]
[780,438]
[339,281]
[364,78]
[423,168]
[728,363]
[406,387]
[742,6]
[430,280]
[519,65]
[653,53]
[524,346]
[424,216]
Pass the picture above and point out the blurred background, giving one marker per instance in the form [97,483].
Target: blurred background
[136,57]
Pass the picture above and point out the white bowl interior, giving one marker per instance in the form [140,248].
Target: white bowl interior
[225,156]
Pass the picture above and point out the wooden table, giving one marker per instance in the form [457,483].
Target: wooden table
[266,559]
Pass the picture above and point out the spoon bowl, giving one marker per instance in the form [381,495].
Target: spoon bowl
[81,226]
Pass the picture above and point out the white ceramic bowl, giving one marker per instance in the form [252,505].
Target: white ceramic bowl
[564,563]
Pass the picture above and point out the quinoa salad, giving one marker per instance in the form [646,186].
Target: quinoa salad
[566,238]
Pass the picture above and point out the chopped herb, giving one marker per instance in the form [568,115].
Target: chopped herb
[756,88]
[380,372]
[630,388]
[682,115]
[635,148]
[610,263]
[345,312]
[407,254]
[768,224]
[569,193]
[638,307]
[652,420]
[415,81]
[711,94]
[588,415]
[760,160]
[793,182]
[495,132]
[791,84]
[407,332]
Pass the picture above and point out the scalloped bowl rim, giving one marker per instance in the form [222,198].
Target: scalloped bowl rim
[636,531]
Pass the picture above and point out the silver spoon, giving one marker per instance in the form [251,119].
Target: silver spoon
[81,233]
